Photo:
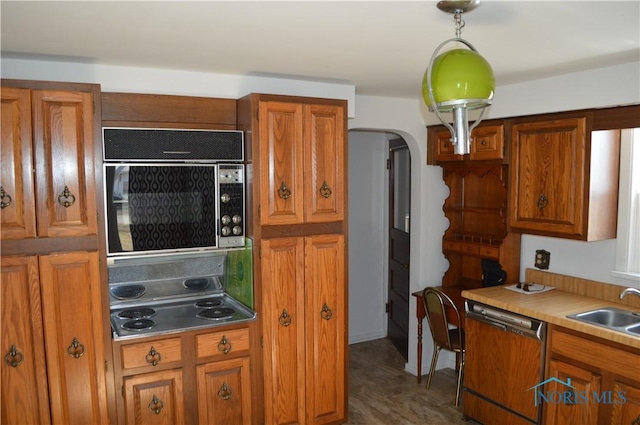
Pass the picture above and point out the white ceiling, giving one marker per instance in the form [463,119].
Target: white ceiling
[381,47]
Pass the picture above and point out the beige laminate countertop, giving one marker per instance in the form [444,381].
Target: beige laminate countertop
[553,307]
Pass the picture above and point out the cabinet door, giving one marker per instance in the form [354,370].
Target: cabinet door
[325,328]
[283,321]
[324,163]
[224,392]
[559,411]
[73,329]
[627,410]
[548,176]
[64,154]
[154,398]
[18,220]
[24,381]
[281,162]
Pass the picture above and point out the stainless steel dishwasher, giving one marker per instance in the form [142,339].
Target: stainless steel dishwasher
[504,360]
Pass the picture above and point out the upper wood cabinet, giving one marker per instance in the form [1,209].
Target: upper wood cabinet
[564,178]
[48,188]
[487,143]
[301,162]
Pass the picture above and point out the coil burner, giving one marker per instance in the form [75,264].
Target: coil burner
[138,324]
[217,313]
[209,303]
[137,313]
[128,292]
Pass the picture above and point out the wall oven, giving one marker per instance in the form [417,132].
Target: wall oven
[173,190]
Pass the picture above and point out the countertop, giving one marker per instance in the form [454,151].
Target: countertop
[553,307]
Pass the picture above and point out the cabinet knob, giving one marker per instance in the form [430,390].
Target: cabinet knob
[326,312]
[284,319]
[14,357]
[153,357]
[225,391]
[156,405]
[224,346]
[76,349]
[636,421]
[543,201]
[284,192]
[325,190]
[66,198]
[5,199]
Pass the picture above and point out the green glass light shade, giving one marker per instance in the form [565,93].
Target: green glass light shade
[459,74]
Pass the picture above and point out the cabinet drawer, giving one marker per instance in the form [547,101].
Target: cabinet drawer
[222,343]
[151,353]
[444,147]
[487,143]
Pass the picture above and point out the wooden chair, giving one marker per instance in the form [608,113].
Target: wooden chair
[436,303]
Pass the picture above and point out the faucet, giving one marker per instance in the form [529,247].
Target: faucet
[629,291]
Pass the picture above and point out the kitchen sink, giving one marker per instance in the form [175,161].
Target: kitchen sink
[612,318]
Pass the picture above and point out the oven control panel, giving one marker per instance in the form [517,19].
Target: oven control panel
[231,205]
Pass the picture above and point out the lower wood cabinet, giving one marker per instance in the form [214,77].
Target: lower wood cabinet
[197,377]
[52,341]
[598,381]
[304,325]
[154,398]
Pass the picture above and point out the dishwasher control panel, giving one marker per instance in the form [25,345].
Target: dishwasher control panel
[506,320]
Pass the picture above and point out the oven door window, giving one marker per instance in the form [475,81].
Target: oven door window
[153,208]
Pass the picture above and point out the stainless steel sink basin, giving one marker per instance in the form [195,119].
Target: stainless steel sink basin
[612,318]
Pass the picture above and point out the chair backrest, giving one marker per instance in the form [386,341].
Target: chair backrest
[435,303]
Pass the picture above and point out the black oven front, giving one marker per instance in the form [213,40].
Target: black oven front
[170,191]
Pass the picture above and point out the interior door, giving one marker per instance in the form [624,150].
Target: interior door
[399,223]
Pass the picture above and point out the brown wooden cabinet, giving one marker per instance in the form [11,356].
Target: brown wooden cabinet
[487,143]
[25,399]
[301,163]
[564,177]
[192,377]
[477,205]
[50,245]
[304,321]
[65,340]
[605,377]
[297,156]
[51,133]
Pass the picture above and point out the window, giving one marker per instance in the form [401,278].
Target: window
[628,239]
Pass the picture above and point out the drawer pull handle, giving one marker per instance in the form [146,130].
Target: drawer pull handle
[75,350]
[543,201]
[325,190]
[14,357]
[156,405]
[224,346]
[636,421]
[326,312]
[284,192]
[66,198]
[225,392]
[284,319]
[153,357]
[5,199]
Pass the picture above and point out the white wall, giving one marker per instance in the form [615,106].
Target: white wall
[604,87]
[368,218]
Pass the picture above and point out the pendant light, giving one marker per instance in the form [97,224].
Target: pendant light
[458,80]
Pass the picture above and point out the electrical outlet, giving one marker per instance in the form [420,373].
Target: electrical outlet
[542,259]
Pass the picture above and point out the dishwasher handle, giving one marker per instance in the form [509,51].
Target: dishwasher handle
[484,314]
